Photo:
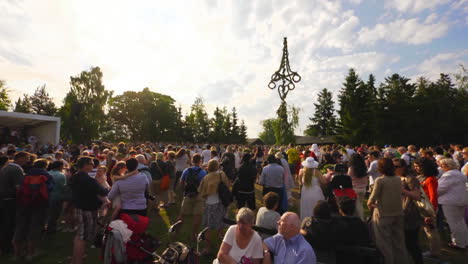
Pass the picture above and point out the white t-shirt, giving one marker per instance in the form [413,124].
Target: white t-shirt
[237,160]
[212,199]
[373,171]
[267,219]
[206,154]
[254,249]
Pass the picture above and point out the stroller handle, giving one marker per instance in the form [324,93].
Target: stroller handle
[174,226]
[201,235]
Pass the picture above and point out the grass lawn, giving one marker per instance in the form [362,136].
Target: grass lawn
[58,248]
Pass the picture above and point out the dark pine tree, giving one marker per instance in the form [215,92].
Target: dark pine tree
[324,120]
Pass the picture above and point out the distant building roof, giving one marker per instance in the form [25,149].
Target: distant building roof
[16,119]
[306,140]
[255,141]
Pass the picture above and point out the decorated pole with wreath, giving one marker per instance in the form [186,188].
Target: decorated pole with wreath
[284,79]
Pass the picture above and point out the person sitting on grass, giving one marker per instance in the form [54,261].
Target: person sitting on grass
[241,244]
[288,246]
[267,217]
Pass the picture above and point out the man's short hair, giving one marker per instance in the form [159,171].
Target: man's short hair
[140,158]
[375,154]
[83,161]
[322,210]
[96,163]
[271,159]
[196,158]
[41,164]
[131,164]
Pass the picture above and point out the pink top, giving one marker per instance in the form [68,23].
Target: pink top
[358,183]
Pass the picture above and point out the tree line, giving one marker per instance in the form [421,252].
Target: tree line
[396,112]
[91,112]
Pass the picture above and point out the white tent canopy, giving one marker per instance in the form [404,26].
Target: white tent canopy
[45,128]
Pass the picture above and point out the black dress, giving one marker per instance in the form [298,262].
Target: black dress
[243,188]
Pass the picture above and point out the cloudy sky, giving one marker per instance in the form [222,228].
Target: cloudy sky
[226,51]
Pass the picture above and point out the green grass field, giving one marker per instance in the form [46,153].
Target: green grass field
[58,248]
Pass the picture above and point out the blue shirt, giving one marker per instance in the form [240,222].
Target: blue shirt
[60,181]
[272,176]
[201,174]
[293,251]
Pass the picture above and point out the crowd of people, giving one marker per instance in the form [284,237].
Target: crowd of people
[407,190]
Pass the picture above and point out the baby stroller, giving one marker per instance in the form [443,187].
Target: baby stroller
[125,241]
[141,247]
[340,186]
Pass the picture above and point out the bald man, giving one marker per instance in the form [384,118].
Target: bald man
[288,246]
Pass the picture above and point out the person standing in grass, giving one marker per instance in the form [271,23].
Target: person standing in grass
[387,214]
[192,203]
[88,197]
[11,176]
[214,209]
[56,195]
[32,200]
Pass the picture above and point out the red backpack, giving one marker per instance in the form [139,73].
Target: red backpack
[33,191]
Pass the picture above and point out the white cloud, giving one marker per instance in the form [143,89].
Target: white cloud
[431,18]
[413,6]
[224,51]
[409,31]
[342,36]
[361,62]
[442,63]
[460,5]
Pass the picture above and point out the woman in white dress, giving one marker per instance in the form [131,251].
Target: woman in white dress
[311,178]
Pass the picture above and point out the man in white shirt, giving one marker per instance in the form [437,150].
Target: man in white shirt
[350,151]
[373,171]
[406,156]
[206,154]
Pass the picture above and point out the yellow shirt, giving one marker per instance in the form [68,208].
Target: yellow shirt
[293,155]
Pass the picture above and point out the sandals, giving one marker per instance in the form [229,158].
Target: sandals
[453,246]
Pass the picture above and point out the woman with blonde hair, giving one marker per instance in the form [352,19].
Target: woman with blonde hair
[214,208]
[310,178]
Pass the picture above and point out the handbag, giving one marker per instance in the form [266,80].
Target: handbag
[224,193]
[424,206]
[164,185]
